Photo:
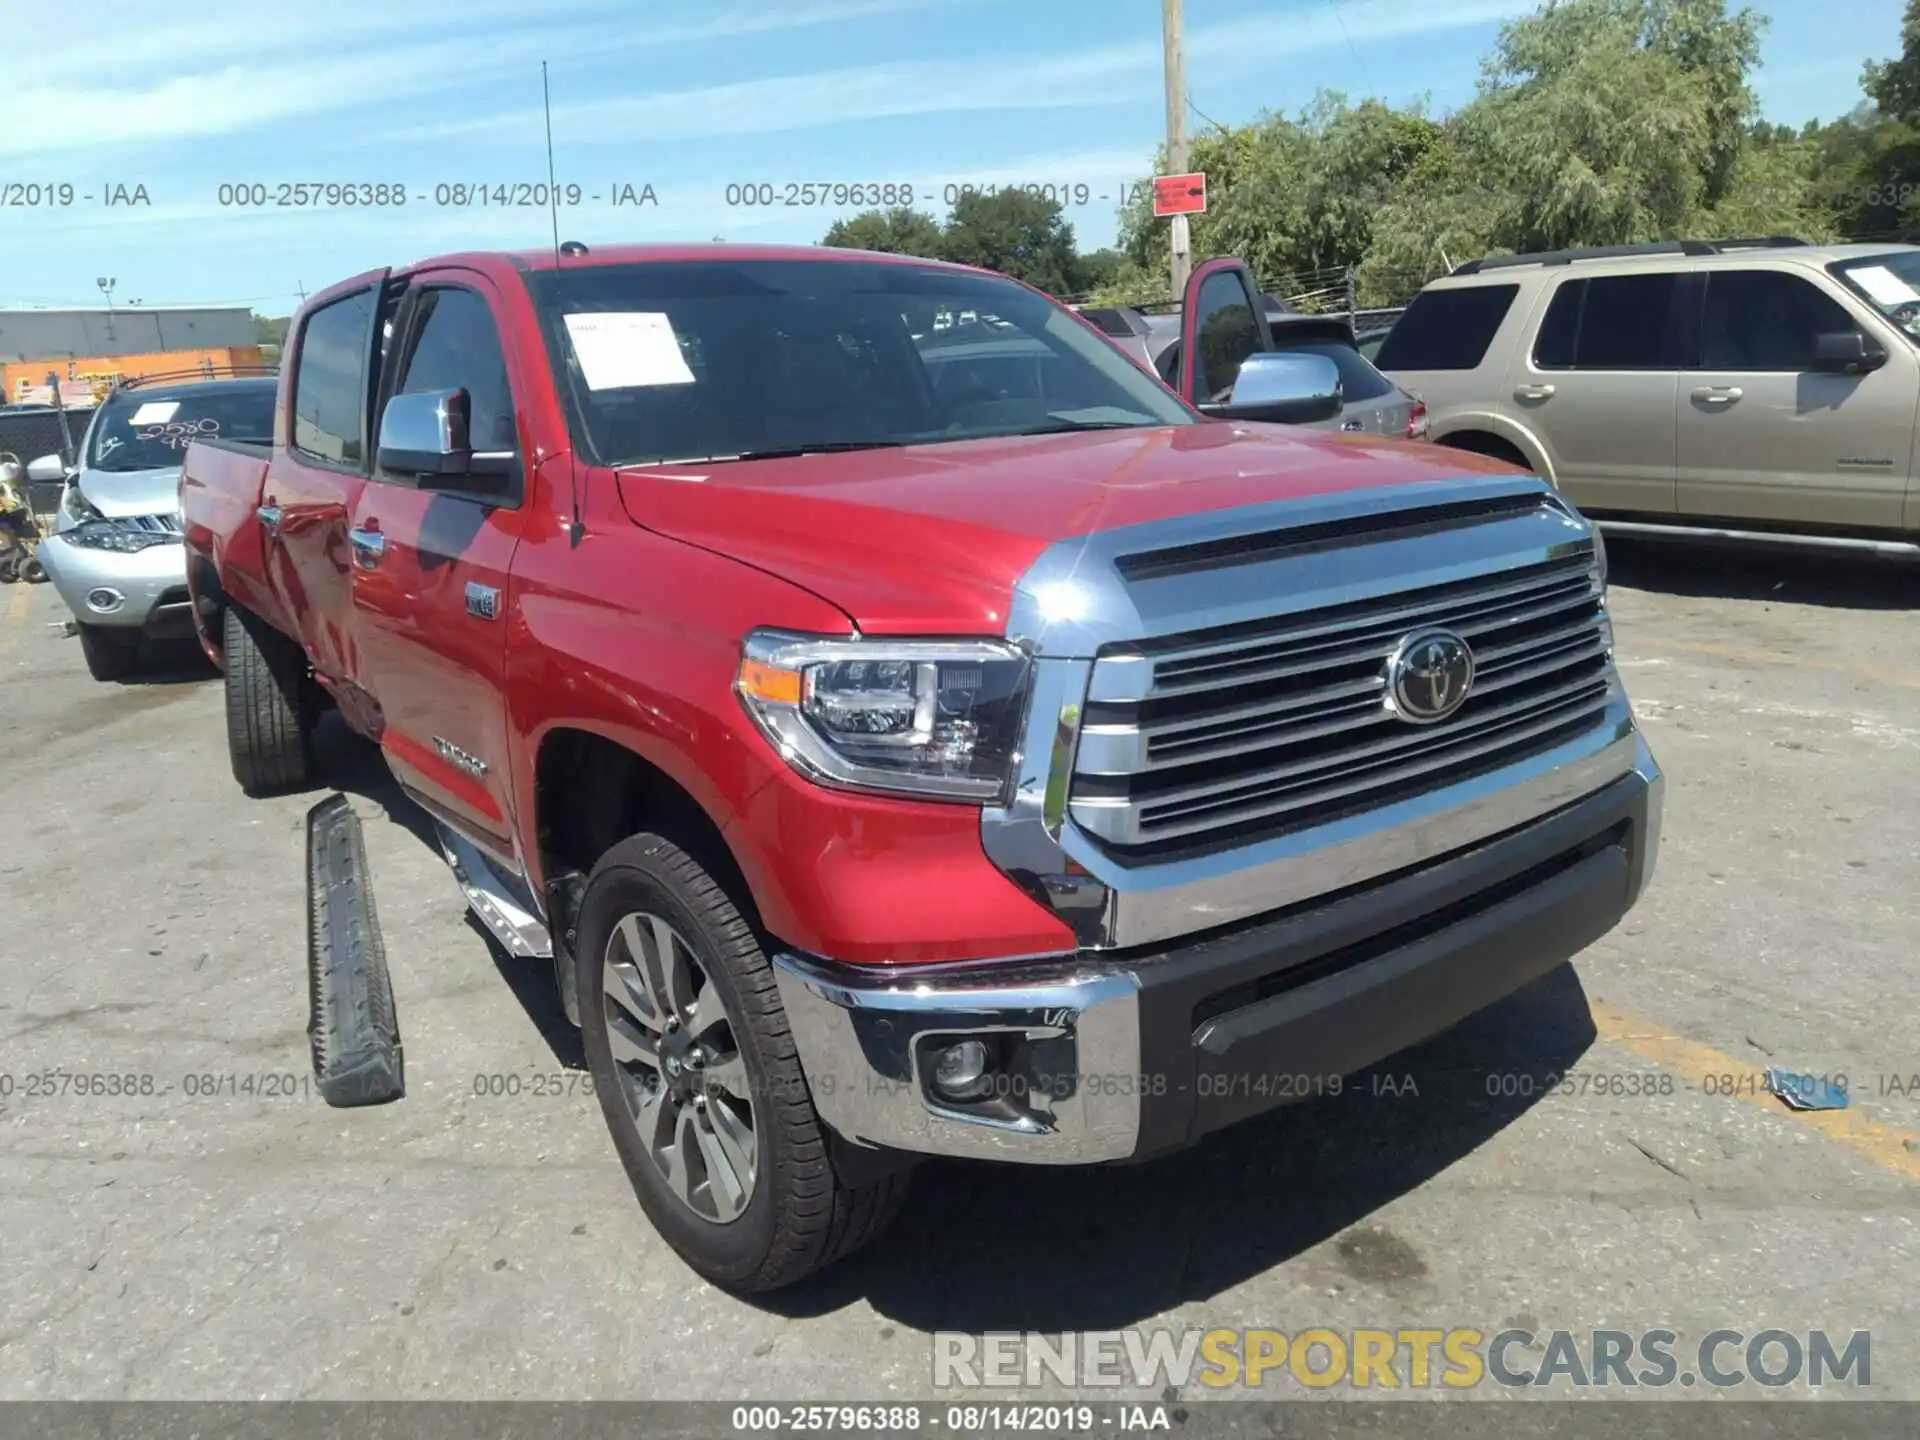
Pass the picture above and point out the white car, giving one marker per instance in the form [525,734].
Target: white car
[116,555]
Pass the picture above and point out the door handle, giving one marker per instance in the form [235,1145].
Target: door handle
[369,546]
[269,518]
[1533,392]
[1716,394]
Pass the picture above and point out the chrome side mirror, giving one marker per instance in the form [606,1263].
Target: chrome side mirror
[47,467]
[426,434]
[427,437]
[1283,387]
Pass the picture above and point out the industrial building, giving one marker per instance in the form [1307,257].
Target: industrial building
[85,350]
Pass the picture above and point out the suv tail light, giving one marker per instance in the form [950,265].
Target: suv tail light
[1417,421]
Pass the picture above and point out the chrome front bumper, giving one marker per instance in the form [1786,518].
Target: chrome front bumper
[1119,1054]
[141,579]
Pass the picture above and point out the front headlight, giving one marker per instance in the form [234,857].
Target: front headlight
[107,535]
[936,718]
[75,508]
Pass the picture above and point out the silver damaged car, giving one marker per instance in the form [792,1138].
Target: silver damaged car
[116,555]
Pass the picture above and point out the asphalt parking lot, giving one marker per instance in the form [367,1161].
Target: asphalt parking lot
[227,1237]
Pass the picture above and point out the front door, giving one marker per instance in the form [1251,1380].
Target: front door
[430,575]
[1766,437]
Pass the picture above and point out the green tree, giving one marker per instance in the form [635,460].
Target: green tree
[1018,232]
[1894,85]
[1604,122]
[899,231]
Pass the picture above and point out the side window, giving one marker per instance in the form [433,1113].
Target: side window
[330,384]
[457,347]
[1226,332]
[1764,320]
[1626,323]
[1446,329]
[1560,329]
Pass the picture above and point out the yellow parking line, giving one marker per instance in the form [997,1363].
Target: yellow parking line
[1875,673]
[1882,1144]
[14,622]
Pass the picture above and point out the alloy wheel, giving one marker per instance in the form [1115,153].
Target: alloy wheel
[679,1067]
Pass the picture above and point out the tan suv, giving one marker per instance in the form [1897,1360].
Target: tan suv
[1761,390]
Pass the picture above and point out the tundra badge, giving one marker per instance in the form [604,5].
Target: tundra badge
[460,759]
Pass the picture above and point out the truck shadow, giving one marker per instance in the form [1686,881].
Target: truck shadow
[1696,569]
[1008,1248]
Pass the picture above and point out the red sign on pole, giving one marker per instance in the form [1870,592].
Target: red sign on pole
[1180,194]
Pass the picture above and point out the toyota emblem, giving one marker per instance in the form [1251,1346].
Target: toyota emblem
[1429,676]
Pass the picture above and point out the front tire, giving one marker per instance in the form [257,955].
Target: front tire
[108,656]
[700,1082]
[269,730]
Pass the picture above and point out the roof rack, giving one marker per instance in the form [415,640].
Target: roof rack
[199,372]
[1616,252]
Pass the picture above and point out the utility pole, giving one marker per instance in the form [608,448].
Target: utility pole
[106,283]
[1176,136]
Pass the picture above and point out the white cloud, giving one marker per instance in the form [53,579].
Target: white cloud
[173,76]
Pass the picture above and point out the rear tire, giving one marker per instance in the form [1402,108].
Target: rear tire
[269,730]
[797,1216]
[108,656]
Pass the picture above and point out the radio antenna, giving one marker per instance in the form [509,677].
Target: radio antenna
[576,529]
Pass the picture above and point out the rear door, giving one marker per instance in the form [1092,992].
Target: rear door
[430,571]
[1599,385]
[1764,436]
[320,463]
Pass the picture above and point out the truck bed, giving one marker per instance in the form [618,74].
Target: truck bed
[220,489]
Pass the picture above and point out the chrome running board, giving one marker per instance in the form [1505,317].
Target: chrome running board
[1761,539]
[497,897]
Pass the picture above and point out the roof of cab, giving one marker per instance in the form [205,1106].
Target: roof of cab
[544,258]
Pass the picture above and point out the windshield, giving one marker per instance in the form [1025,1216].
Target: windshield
[135,432]
[1891,282]
[716,361]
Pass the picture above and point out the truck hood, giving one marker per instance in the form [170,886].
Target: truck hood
[931,539]
[115,493]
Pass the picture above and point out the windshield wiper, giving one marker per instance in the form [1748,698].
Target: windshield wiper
[775,452]
[1068,427]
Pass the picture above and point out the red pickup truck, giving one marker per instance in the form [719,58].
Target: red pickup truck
[908,726]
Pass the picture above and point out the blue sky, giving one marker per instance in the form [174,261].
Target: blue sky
[686,97]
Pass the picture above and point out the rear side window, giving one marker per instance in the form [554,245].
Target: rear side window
[1447,329]
[330,384]
[1613,322]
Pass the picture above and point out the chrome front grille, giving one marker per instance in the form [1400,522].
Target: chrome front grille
[1267,727]
[154,524]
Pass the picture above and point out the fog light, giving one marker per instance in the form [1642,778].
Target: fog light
[960,1071]
[104,600]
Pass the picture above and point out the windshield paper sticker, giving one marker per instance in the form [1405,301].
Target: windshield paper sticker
[155,412]
[619,349]
[1883,285]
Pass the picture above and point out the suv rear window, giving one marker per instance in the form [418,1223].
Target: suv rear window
[1447,329]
